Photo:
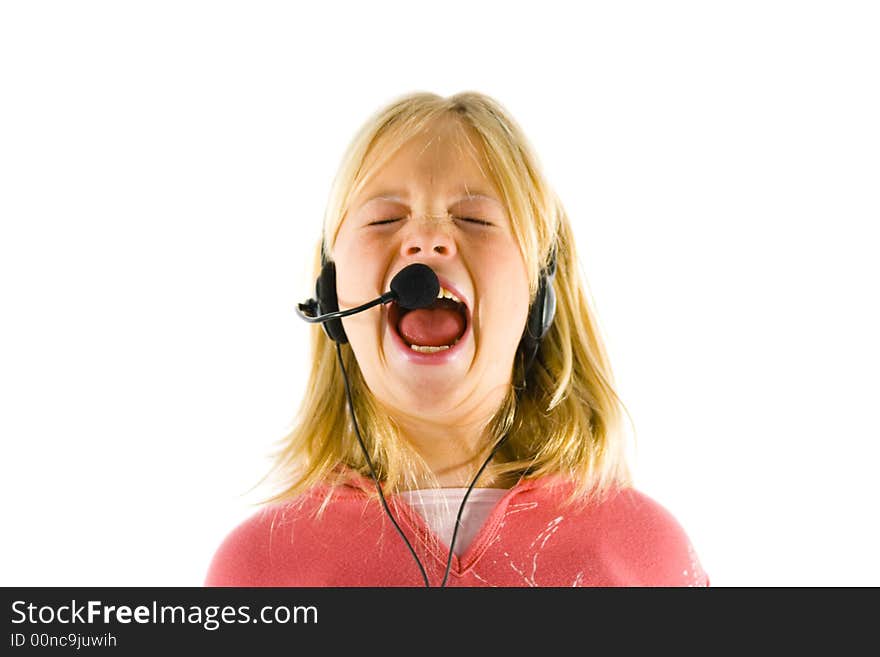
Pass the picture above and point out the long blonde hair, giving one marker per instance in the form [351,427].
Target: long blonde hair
[567,422]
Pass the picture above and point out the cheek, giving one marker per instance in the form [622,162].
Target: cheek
[358,275]
[509,292]
[354,284]
[518,308]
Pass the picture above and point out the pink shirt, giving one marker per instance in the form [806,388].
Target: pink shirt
[528,539]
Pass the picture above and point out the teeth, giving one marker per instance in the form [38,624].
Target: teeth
[443,293]
[426,350]
[431,350]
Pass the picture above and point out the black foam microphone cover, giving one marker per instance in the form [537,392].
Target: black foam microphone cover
[416,286]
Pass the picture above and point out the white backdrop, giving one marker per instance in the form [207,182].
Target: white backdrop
[163,173]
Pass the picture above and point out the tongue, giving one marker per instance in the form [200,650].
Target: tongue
[432,327]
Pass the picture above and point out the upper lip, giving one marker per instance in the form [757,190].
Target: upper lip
[449,285]
[446,283]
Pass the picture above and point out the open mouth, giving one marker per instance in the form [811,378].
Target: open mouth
[428,330]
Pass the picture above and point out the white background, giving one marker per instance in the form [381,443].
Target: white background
[164,168]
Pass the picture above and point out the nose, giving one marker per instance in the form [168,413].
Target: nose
[430,235]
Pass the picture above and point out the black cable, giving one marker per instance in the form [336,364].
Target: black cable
[461,508]
[373,472]
[382,496]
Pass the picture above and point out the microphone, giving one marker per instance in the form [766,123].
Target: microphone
[414,286]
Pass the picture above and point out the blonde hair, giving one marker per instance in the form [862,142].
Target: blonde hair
[567,422]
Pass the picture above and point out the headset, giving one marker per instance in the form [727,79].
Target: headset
[540,317]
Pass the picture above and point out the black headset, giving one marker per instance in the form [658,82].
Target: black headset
[541,314]
[540,318]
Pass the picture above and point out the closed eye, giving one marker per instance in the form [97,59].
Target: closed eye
[475,221]
[468,219]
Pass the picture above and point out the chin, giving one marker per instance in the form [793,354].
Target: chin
[429,403]
[419,379]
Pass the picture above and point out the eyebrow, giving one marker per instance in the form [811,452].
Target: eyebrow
[402,198]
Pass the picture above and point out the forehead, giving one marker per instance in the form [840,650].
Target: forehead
[446,160]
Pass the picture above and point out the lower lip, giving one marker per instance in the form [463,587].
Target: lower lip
[438,357]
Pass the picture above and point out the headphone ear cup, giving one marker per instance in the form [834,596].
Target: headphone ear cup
[541,314]
[548,305]
[325,293]
[531,337]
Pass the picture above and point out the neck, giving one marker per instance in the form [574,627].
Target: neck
[453,454]
[455,442]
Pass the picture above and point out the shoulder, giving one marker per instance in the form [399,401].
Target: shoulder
[641,514]
[639,538]
[651,541]
[242,559]
[250,554]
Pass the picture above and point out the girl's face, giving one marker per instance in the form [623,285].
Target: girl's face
[432,204]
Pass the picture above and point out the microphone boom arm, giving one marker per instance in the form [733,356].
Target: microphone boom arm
[311,307]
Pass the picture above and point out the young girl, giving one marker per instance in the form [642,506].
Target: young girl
[476,441]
